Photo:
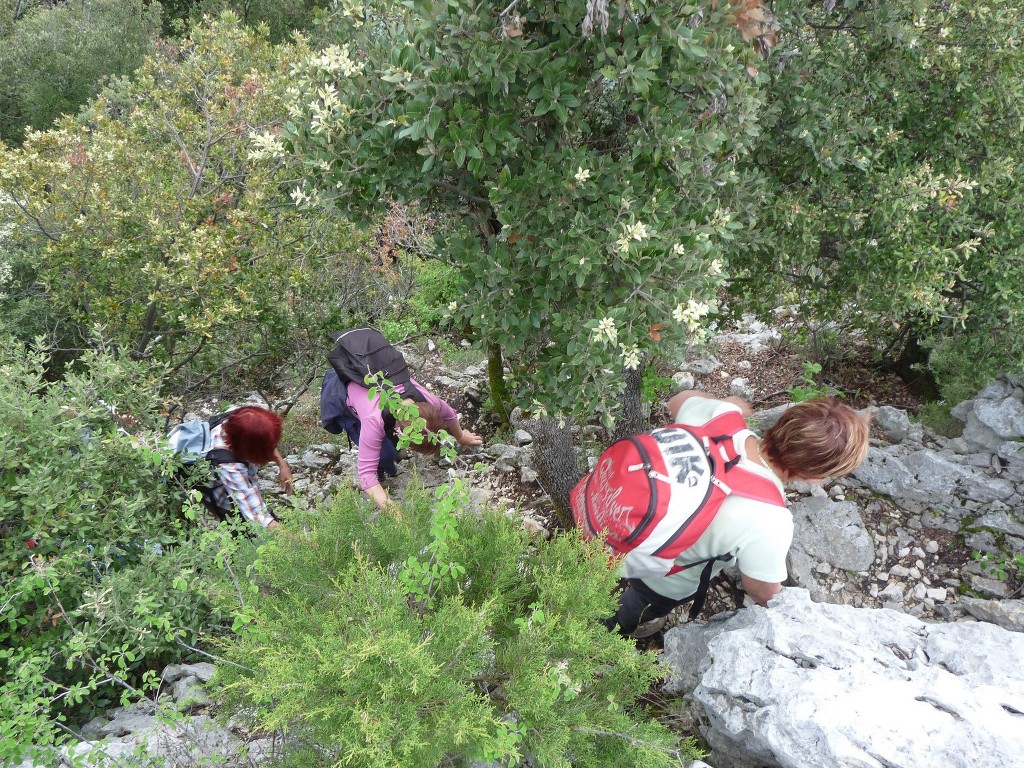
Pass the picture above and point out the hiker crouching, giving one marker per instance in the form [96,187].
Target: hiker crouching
[252,435]
[682,502]
[345,406]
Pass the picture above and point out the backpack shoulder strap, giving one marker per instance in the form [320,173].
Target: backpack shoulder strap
[219,456]
[720,432]
[213,421]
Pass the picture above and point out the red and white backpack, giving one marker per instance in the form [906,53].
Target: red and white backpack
[651,496]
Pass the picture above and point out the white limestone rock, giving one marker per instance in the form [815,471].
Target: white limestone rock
[804,685]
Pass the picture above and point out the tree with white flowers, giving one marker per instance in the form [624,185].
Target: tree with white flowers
[596,173]
[891,143]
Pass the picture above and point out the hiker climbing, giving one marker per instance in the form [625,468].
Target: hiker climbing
[682,502]
[236,444]
[345,405]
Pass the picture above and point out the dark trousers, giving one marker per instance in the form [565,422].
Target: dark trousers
[639,603]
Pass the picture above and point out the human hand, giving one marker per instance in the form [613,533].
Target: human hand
[467,439]
[287,483]
[284,474]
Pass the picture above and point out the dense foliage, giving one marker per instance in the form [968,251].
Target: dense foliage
[597,176]
[891,145]
[185,232]
[54,57]
[103,579]
[442,638]
[151,219]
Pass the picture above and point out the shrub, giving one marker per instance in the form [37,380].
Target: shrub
[59,54]
[439,639]
[103,580]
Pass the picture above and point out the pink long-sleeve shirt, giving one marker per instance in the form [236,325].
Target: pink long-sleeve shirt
[371,426]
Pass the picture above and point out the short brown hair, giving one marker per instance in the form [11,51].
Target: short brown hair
[823,437]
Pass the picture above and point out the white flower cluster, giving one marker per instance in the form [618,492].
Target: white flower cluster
[606,331]
[266,146]
[967,247]
[631,232]
[582,174]
[336,61]
[303,196]
[721,218]
[690,314]
[630,356]
[6,274]
[327,113]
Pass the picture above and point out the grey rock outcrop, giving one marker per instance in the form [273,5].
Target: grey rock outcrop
[1008,614]
[804,685]
[972,485]
[827,532]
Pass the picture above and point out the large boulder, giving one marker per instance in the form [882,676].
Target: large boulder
[804,685]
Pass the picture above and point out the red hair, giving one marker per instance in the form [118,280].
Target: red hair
[252,434]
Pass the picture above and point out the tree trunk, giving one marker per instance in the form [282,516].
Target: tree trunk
[631,419]
[496,380]
[910,363]
[558,471]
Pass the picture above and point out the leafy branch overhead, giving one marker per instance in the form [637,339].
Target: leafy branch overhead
[597,177]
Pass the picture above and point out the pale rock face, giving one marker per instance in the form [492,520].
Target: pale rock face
[805,685]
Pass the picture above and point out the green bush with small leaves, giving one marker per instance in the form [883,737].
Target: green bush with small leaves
[437,639]
[104,580]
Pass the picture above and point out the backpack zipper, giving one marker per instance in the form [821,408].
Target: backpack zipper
[652,505]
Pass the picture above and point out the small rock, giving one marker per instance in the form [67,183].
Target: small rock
[740,388]
[703,366]
[823,568]
[534,526]
[892,592]
[937,594]
[314,460]
[986,587]
[931,547]
[522,437]
[683,380]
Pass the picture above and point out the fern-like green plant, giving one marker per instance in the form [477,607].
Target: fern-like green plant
[440,639]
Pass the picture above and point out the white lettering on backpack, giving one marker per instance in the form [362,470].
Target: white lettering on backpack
[685,459]
[604,498]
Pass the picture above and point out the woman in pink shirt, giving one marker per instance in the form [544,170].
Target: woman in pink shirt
[347,407]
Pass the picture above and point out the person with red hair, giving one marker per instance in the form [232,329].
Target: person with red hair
[251,434]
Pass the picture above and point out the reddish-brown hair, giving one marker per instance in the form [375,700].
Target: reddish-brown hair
[431,414]
[253,433]
[818,438]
